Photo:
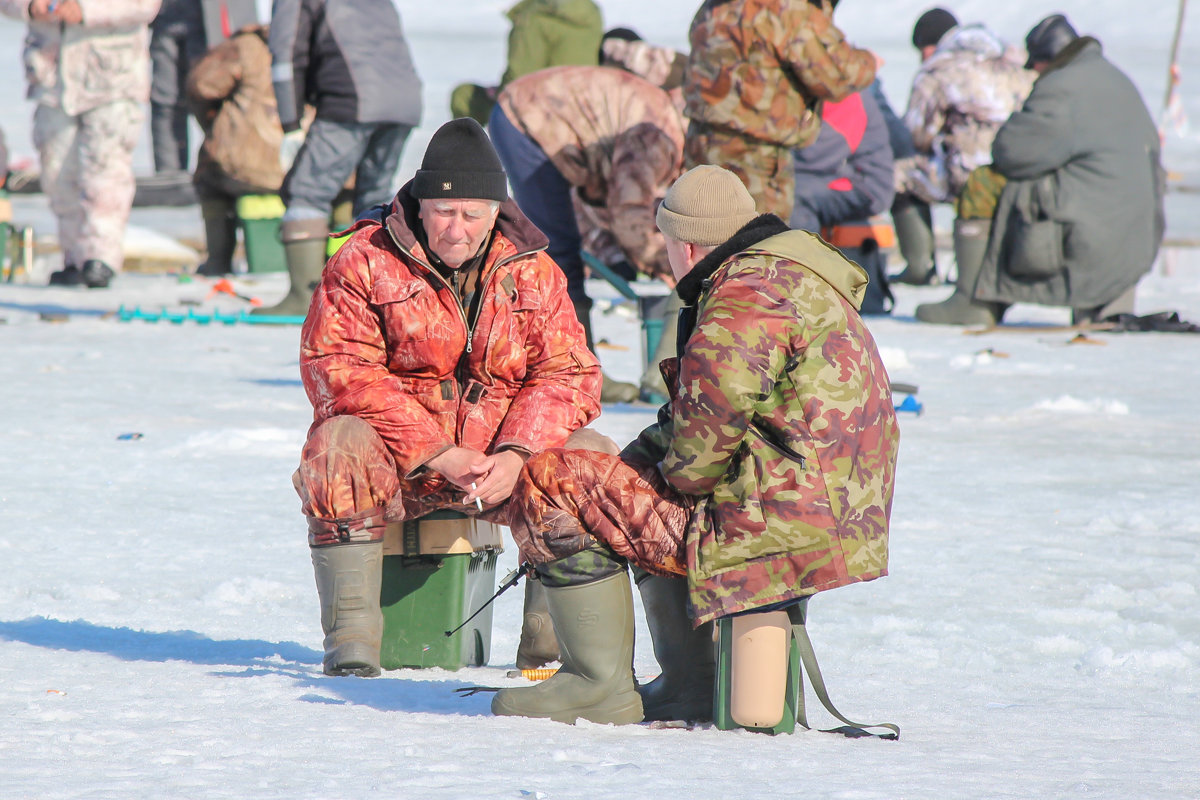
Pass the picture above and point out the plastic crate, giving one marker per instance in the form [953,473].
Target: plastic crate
[259,215]
[437,571]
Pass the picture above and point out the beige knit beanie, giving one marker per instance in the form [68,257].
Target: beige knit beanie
[706,206]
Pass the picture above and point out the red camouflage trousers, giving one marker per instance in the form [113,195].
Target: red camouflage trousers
[567,499]
[350,486]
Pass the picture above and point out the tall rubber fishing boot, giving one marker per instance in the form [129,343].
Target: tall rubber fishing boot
[594,623]
[349,578]
[914,236]
[304,242]
[611,391]
[220,237]
[686,655]
[539,645]
[970,246]
[653,389]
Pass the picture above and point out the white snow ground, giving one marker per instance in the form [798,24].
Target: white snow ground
[1039,635]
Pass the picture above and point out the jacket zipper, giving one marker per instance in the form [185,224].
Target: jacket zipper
[778,446]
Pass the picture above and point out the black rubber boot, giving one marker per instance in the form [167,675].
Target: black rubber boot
[970,246]
[594,623]
[686,654]
[304,242]
[349,577]
[220,236]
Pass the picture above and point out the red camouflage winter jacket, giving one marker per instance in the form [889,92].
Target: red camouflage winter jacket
[387,340]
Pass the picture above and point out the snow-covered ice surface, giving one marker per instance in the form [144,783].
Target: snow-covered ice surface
[1039,635]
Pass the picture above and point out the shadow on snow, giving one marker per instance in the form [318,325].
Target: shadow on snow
[256,656]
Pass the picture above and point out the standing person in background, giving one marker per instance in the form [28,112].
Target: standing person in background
[592,145]
[89,74]
[350,61]
[229,91]
[545,33]
[756,75]
[969,83]
[178,39]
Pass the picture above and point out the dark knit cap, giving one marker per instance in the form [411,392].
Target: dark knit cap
[460,162]
[932,26]
[1047,39]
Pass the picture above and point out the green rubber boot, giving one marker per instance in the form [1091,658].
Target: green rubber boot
[539,645]
[594,623]
[914,237]
[304,243]
[348,583]
[970,246]
[686,655]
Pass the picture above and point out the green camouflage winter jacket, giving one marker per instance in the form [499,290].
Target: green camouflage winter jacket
[551,33]
[781,425]
[760,68]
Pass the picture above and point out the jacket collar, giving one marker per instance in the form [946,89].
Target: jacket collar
[753,232]
[1070,53]
[402,220]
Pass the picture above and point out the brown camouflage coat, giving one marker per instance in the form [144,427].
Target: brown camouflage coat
[230,92]
[616,138]
[782,427]
[79,67]
[960,97]
[386,340]
[760,68]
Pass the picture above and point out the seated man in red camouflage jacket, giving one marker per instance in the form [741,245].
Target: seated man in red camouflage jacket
[440,351]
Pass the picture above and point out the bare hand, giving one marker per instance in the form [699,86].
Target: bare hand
[68,11]
[39,10]
[495,477]
[458,465]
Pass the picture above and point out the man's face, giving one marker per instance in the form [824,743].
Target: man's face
[681,255]
[456,228]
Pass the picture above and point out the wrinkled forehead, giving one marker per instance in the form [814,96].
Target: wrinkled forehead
[468,206]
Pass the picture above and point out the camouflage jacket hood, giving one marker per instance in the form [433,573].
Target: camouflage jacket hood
[386,340]
[780,424]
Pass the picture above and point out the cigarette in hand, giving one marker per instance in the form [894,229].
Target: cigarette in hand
[478,502]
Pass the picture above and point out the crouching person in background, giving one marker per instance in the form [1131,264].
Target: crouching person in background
[440,352]
[767,478]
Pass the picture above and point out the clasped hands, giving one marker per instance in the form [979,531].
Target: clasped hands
[494,476]
[67,11]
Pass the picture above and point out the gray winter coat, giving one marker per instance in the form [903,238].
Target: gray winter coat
[348,58]
[1081,218]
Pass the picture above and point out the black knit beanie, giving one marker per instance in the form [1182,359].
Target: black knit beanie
[932,26]
[460,162]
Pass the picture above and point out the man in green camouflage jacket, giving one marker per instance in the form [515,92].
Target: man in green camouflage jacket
[755,78]
[767,478]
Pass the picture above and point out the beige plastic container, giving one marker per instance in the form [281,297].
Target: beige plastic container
[758,681]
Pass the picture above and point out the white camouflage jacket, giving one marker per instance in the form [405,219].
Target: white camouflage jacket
[79,67]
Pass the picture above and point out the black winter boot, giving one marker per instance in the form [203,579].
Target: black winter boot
[220,236]
[687,655]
